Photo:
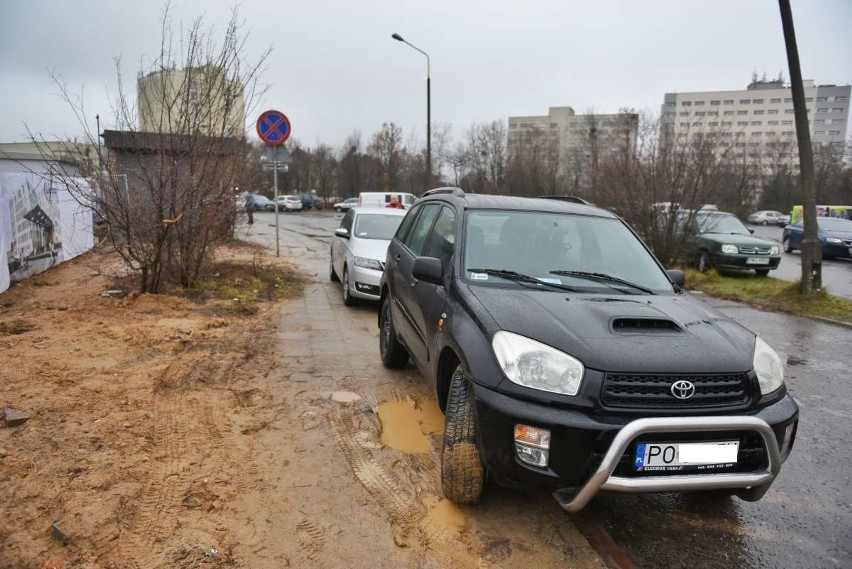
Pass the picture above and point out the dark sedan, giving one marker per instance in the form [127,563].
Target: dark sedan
[835,236]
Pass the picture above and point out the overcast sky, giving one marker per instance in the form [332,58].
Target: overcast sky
[335,68]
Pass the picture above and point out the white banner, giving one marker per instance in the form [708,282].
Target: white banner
[41,225]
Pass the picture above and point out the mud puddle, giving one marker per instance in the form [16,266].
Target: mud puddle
[409,426]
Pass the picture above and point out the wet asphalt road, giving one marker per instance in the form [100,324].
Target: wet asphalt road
[836,273]
[805,520]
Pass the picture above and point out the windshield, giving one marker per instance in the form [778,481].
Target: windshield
[376,226]
[834,224]
[573,251]
[716,223]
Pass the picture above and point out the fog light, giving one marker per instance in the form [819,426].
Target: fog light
[787,444]
[532,445]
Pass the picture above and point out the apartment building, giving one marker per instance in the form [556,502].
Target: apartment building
[572,136]
[191,100]
[758,121]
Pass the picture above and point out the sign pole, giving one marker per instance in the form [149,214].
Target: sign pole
[275,183]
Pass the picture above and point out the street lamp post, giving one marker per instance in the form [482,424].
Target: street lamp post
[398,37]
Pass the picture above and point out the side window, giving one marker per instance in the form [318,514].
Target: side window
[406,224]
[346,223]
[441,243]
[417,237]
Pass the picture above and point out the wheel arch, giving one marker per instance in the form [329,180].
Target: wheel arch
[447,363]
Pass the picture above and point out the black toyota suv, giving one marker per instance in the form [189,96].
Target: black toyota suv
[565,356]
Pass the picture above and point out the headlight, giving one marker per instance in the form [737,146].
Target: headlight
[834,240]
[768,366]
[535,365]
[730,249]
[774,250]
[367,263]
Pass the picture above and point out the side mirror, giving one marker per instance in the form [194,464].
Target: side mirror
[342,232]
[428,269]
[677,277]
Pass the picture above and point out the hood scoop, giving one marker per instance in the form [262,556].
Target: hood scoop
[643,325]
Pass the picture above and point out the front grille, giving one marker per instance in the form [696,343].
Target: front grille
[646,391]
[755,250]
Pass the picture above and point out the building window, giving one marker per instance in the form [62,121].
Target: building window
[742,123]
[840,99]
[819,121]
[670,104]
[696,123]
[788,99]
[756,123]
[822,99]
[729,101]
[729,113]
[786,123]
[684,114]
[757,134]
[712,113]
[788,111]
[686,103]
[809,99]
[778,100]
[834,132]
[789,133]
[684,125]
[837,121]
[773,123]
[758,101]
[714,124]
[727,123]
[742,112]
[819,133]
[699,113]
[837,110]
[745,101]
[822,109]
[715,103]
[553,125]
[772,112]
[699,103]
[759,112]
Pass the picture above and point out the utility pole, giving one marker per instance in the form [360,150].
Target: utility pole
[811,251]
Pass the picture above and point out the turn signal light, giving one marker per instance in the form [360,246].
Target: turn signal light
[532,445]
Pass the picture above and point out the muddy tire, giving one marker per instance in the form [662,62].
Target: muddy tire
[704,262]
[462,469]
[347,294]
[394,355]
[332,276]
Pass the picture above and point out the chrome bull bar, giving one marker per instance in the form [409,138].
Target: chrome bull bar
[753,484]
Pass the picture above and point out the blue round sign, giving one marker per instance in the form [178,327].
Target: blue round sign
[273,127]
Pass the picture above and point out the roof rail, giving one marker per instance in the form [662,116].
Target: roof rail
[446,190]
[572,199]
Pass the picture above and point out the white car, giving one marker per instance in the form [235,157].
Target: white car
[768,217]
[345,205]
[289,203]
[359,248]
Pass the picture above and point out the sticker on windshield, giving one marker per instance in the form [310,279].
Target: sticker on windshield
[479,276]
[549,280]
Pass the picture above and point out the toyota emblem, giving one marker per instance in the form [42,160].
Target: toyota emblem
[683,389]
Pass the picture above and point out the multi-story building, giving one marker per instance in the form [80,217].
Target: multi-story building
[573,138]
[191,100]
[759,121]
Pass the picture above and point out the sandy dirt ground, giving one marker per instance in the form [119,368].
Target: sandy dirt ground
[163,432]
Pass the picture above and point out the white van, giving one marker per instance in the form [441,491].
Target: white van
[382,199]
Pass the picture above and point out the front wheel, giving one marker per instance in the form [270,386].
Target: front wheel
[462,469]
[347,294]
[393,353]
[788,247]
[765,223]
[338,209]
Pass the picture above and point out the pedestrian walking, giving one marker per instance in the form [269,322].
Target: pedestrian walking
[250,207]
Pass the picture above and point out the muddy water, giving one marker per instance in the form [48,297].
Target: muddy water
[408,426]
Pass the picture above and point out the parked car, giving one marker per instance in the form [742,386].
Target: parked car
[718,239]
[835,237]
[345,205]
[358,251]
[766,217]
[289,203]
[566,357]
[310,201]
[262,203]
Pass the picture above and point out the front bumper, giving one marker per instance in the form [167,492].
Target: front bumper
[365,282]
[836,250]
[741,261]
[591,451]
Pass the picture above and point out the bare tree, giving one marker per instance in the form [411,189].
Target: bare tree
[386,148]
[166,183]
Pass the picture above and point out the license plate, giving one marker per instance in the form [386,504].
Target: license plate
[757,261]
[685,456]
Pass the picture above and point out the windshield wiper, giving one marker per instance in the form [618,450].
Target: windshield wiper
[603,277]
[521,278]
